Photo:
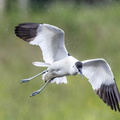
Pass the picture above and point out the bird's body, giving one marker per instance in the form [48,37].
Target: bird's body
[63,67]
[60,63]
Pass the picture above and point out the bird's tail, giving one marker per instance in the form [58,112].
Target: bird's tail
[41,64]
[60,80]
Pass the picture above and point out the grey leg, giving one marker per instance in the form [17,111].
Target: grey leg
[28,79]
[38,91]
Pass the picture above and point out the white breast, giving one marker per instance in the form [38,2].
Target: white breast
[62,68]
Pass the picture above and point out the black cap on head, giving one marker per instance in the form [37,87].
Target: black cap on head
[79,66]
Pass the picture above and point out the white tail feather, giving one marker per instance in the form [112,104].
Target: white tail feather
[41,64]
[60,80]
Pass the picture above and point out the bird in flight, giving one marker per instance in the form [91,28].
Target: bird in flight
[60,63]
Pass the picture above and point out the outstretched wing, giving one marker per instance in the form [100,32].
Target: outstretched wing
[102,80]
[48,37]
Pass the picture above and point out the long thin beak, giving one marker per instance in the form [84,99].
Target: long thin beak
[80,70]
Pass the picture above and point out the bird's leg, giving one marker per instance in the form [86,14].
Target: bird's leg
[28,79]
[38,91]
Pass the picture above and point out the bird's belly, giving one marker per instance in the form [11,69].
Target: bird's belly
[54,74]
[62,68]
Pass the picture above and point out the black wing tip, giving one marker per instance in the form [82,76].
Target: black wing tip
[110,95]
[29,25]
[26,31]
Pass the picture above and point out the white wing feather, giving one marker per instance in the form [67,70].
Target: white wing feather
[101,78]
[98,72]
[48,37]
[51,41]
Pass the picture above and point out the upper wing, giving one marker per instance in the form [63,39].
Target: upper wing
[48,37]
[102,80]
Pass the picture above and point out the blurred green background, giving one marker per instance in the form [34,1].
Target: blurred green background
[92,31]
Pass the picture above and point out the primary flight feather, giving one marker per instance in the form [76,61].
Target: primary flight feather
[60,63]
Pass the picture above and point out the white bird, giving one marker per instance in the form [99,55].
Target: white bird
[60,63]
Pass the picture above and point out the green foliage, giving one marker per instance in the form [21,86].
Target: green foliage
[91,32]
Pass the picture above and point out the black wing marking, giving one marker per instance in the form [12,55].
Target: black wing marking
[110,95]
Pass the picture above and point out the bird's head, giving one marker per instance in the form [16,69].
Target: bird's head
[78,65]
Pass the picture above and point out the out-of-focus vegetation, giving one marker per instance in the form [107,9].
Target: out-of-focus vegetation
[91,32]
